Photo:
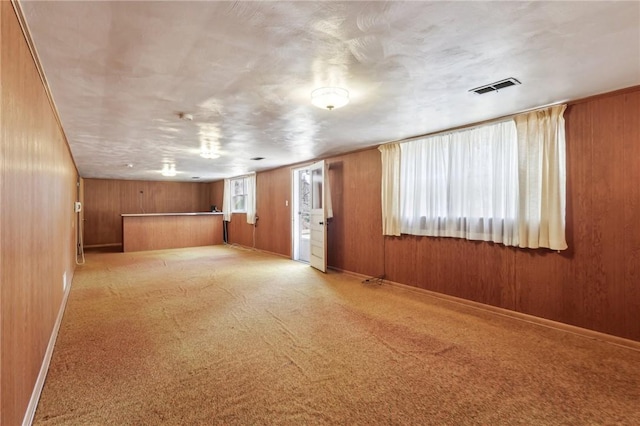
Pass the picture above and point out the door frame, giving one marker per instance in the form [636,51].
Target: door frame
[295,217]
[318,241]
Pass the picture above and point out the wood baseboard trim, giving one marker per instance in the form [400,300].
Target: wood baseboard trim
[44,368]
[583,332]
[358,275]
[103,245]
[243,247]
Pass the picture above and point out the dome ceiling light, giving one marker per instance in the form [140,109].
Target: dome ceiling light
[330,97]
[168,170]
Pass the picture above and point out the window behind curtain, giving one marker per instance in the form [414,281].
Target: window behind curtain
[462,184]
[239,190]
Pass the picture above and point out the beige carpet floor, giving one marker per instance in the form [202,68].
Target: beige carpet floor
[221,335]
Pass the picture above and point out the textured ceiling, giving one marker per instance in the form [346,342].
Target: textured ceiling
[121,72]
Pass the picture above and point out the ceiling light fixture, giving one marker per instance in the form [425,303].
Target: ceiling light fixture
[209,154]
[168,170]
[330,97]
[209,150]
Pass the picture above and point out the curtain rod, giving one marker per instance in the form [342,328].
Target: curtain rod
[241,176]
[470,126]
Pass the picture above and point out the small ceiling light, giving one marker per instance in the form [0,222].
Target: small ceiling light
[209,154]
[168,170]
[129,165]
[209,151]
[330,97]
[185,116]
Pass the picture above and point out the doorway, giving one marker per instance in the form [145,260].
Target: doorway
[301,214]
[309,206]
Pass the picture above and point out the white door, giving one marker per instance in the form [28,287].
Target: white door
[318,221]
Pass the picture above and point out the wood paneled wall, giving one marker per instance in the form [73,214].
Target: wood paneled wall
[37,222]
[273,206]
[355,241]
[142,233]
[216,190]
[106,200]
[239,231]
[596,283]
[593,285]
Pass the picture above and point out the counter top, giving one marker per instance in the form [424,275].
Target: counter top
[170,214]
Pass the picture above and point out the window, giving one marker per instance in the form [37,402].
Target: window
[239,196]
[503,182]
[239,191]
[462,184]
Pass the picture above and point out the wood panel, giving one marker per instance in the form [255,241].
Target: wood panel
[239,231]
[102,209]
[106,200]
[164,232]
[400,257]
[355,241]
[544,283]
[216,192]
[569,279]
[474,270]
[607,223]
[631,208]
[163,197]
[273,205]
[37,222]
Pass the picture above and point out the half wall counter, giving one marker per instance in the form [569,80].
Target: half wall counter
[156,231]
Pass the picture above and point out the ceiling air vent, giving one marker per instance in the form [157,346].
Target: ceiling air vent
[494,87]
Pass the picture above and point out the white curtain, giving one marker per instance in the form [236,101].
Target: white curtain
[462,184]
[503,182]
[542,158]
[251,199]
[390,155]
[226,201]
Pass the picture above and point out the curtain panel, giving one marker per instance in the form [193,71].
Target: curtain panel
[226,201]
[390,155]
[251,199]
[542,173]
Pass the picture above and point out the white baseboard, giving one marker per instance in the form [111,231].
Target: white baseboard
[37,389]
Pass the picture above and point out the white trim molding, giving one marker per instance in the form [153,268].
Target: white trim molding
[42,375]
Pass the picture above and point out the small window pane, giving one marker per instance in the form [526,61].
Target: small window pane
[239,203]
[239,190]
[238,187]
[316,179]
